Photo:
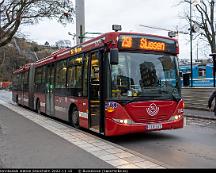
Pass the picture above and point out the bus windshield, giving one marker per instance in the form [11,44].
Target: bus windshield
[146,76]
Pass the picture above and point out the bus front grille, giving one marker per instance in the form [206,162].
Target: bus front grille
[156,119]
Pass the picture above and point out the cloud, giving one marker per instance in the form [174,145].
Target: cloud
[102,14]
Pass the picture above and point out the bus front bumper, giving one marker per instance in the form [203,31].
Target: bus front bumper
[114,128]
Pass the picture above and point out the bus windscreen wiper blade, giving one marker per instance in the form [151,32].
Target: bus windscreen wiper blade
[170,93]
[141,98]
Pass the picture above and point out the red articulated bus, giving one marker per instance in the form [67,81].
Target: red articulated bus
[5,85]
[114,84]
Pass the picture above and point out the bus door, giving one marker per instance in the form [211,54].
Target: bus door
[50,89]
[94,93]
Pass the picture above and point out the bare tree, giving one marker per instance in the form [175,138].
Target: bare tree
[204,17]
[14,13]
[206,11]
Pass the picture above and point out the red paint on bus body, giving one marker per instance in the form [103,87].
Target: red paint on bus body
[141,119]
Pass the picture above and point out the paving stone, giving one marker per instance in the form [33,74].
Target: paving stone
[85,146]
[123,155]
[105,147]
[108,157]
[80,142]
[128,166]
[134,159]
[100,153]
[93,149]
[115,150]
[146,164]
[94,141]
[118,162]
[100,143]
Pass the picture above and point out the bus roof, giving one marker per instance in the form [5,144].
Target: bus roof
[24,68]
[109,39]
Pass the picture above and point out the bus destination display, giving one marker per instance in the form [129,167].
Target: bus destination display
[148,43]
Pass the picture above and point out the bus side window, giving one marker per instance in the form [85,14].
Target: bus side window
[43,80]
[38,78]
[61,70]
[25,81]
[74,76]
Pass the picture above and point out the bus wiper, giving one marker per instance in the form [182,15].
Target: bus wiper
[171,93]
[141,98]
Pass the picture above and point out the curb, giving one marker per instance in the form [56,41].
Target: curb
[200,117]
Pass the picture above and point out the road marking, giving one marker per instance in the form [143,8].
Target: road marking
[113,154]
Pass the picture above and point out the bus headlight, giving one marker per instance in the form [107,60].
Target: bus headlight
[175,117]
[123,121]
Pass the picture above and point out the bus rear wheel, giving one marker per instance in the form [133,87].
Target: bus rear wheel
[17,100]
[75,118]
[38,109]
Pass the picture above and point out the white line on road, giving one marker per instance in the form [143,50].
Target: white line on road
[113,154]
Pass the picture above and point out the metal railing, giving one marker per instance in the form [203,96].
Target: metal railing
[196,98]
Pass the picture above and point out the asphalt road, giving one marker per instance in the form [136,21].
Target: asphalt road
[194,146]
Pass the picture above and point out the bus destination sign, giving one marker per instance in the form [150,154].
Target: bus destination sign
[75,50]
[151,45]
[148,43]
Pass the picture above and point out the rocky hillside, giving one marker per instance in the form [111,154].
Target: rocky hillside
[18,53]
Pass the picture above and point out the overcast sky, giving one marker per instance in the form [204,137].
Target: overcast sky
[101,14]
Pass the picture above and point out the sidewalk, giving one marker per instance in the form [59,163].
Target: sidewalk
[57,145]
[199,114]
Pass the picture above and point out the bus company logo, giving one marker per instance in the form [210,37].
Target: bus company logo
[152,110]
[113,105]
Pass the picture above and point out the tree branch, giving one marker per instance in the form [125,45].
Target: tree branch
[16,12]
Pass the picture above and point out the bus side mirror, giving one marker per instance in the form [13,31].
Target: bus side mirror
[114,56]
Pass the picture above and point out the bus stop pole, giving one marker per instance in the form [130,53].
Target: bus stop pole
[214,68]
[214,64]
[191,44]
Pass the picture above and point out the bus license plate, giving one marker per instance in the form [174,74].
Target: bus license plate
[154,126]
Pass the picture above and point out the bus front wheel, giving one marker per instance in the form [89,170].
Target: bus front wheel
[75,118]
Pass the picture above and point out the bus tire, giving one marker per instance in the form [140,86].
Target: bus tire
[17,101]
[75,118]
[38,107]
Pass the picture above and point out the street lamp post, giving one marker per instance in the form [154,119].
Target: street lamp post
[191,43]
[213,55]
[80,20]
